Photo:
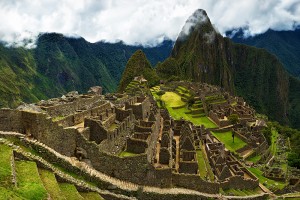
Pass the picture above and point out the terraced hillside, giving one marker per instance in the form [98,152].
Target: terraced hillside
[177,104]
[25,175]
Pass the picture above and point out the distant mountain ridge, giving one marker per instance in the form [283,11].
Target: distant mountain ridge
[206,56]
[284,44]
[60,64]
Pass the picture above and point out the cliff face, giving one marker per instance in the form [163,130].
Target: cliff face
[202,54]
[284,44]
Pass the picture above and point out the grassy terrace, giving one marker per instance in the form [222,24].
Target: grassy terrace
[91,195]
[204,167]
[274,141]
[30,186]
[127,154]
[226,138]
[254,159]
[172,99]
[69,191]
[201,164]
[6,190]
[51,184]
[5,168]
[271,184]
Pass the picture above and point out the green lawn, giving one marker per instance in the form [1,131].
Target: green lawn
[70,191]
[30,186]
[126,154]
[172,99]
[51,184]
[201,164]
[254,159]
[226,138]
[271,184]
[274,141]
[5,167]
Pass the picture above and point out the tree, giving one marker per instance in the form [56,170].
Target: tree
[234,118]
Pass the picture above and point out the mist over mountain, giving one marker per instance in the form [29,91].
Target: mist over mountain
[60,64]
[205,55]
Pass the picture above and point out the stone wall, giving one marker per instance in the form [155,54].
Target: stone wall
[97,131]
[136,145]
[188,167]
[133,169]
[238,182]
[41,127]
[141,108]
[67,121]
[141,129]
[152,140]
[111,118]
[194,182]
[122,114]
[11,120]
[70,107]
[219,122]
[164,156]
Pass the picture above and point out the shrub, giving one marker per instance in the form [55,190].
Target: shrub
[160,92]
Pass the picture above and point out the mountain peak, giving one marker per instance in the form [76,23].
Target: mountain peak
[137,65]
[195,21]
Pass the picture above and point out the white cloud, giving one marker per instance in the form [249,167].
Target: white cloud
[138,21]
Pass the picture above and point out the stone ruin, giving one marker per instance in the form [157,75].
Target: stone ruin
[96,128]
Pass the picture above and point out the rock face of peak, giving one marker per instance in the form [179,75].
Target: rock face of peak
[202,54]
[198,19]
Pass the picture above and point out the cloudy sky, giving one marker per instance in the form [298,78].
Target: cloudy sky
[138,21]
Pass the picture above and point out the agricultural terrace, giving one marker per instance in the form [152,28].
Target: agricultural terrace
[178,108]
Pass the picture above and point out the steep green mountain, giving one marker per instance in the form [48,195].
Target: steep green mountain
[59,64]
[138,65]
[202,54]
[284,44]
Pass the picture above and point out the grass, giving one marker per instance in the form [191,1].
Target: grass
[113,127]
[226,138]
[30,186]
[69,191]
[5,167]
[9,194]
[254,159]
[91,195]
[201,164]
[127,154]
[243,192]
[172,99]
[274,141]
[58,118]
[51,184]
[270,184]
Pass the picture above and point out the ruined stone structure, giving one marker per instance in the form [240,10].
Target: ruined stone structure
[97,129]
